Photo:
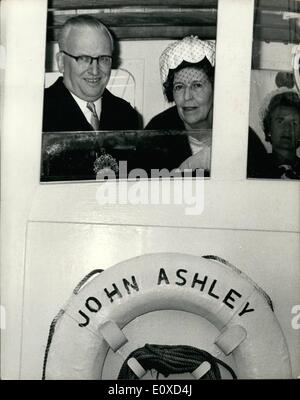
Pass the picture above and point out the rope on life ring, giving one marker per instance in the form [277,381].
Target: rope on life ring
[168,360]
[234,268]
[100,311]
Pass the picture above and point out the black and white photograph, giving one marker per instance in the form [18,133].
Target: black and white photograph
[150,192]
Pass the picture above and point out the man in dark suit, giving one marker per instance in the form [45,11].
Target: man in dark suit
[62,113]
[76,100]
[79,100]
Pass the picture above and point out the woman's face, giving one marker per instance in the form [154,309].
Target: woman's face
[285,128]
[193,95]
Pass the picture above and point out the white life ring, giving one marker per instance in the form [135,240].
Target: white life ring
[96,316]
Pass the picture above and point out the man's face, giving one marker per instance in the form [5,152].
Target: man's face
[193,95]
[87,83]
[285,128]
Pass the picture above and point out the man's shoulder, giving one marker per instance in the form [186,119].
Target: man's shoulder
[61,112]
[127,116]
[56,88]
[112,100]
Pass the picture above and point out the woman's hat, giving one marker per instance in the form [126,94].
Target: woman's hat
[190,49]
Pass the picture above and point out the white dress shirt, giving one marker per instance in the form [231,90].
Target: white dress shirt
[83,107]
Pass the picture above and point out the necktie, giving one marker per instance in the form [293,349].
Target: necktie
[94,118]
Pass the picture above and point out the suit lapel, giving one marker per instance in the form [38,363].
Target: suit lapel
[70,113]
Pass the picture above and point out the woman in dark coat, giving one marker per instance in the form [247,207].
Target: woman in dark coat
[187,74]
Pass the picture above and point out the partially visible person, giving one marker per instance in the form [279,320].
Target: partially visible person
[79,100]
[281,123]
[187,75]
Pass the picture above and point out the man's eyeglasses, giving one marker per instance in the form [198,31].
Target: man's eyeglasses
[86,61]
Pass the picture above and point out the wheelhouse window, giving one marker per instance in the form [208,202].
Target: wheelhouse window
[144,103]
[274,136]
